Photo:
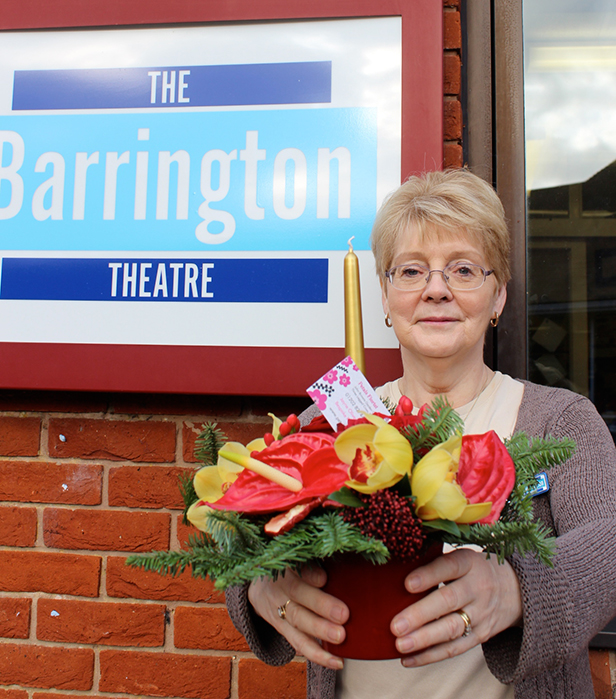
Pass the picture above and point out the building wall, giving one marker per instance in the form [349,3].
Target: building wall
[85,480]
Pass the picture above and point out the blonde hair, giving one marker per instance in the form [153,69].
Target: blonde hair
[444,203]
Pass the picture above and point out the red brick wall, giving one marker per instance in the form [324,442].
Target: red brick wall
[84,481]
[452,85]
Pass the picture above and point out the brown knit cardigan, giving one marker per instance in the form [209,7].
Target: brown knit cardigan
[564,606]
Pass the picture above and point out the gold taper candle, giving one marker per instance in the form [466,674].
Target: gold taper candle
[353,325]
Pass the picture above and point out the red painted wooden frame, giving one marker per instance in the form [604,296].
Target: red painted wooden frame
[231,370]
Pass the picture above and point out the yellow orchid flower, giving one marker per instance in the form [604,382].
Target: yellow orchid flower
[436,490]
[377,454]
[197,514]
[212,482]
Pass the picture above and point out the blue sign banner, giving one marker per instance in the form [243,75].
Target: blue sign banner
[173,86]
[294,179]
[165,280]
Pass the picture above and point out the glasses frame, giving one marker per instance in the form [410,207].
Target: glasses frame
[486,273]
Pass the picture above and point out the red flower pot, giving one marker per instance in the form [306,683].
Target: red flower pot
[374,594]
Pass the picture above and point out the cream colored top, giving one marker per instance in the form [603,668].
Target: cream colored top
[466,676]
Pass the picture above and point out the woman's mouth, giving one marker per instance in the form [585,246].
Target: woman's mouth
[438,320]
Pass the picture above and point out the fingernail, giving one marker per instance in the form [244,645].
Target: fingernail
[401,627]
[409,662]
[337,614]
[335,663]
[405,645]
[413,583]
[334,635]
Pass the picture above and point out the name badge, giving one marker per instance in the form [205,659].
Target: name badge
[543,485]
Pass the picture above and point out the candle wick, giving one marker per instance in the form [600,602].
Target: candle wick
[350,244]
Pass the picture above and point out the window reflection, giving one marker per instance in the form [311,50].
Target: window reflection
[570,90]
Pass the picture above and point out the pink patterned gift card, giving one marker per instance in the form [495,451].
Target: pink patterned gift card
[344,393]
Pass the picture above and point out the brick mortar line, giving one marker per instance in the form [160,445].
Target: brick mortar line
[179,443]
[149,417]
[105,485]
[100,506]
[235,678]
[108,508]
[40,530]
[153,650]
[44,444]
[102,582]
[34,617]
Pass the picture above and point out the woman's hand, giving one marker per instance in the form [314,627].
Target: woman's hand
[431,629]
[310,613]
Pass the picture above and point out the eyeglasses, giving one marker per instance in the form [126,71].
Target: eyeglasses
[459,276]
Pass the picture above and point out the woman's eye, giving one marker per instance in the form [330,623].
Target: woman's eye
[410,272]
[464,270]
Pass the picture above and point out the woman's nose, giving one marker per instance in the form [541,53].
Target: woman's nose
[436,285]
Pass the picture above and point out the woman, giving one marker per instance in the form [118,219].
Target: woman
[518,629]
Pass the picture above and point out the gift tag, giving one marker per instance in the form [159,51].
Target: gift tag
[344,394]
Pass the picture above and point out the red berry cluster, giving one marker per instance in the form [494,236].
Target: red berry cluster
[404,407]
[289,426]
[389,517]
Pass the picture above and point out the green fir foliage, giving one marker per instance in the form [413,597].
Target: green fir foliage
[439,424]
[389,404]
[208,443]
[187,490]
[235,550]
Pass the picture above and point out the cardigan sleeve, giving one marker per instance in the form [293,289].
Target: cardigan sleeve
[564,606]
[264,641]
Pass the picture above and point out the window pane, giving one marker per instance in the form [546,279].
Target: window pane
[570,93]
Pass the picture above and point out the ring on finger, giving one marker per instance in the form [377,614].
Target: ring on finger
[467,622]
[282,610]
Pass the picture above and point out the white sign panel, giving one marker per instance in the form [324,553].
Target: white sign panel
[187,185]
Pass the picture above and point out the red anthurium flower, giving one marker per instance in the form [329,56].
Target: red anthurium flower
[486,472]
[308,457]
[317,424]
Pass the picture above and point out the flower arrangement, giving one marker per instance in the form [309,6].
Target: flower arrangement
[384,486]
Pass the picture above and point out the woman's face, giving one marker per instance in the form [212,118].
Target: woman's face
[434,321]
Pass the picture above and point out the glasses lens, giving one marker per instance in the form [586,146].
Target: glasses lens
[406,277]
[462,275]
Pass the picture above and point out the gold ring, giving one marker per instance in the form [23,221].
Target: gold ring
[282,610]
[467,622]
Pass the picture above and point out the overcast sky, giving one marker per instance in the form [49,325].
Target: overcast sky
[570,89]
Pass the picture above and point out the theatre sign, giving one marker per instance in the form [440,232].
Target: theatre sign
[192,187]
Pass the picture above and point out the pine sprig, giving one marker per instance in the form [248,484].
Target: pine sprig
[231,531]
[506,538]
[538,454]
[231,562]
[530,457]
[389,404]
[187,490]
[440,422]
[210,440]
